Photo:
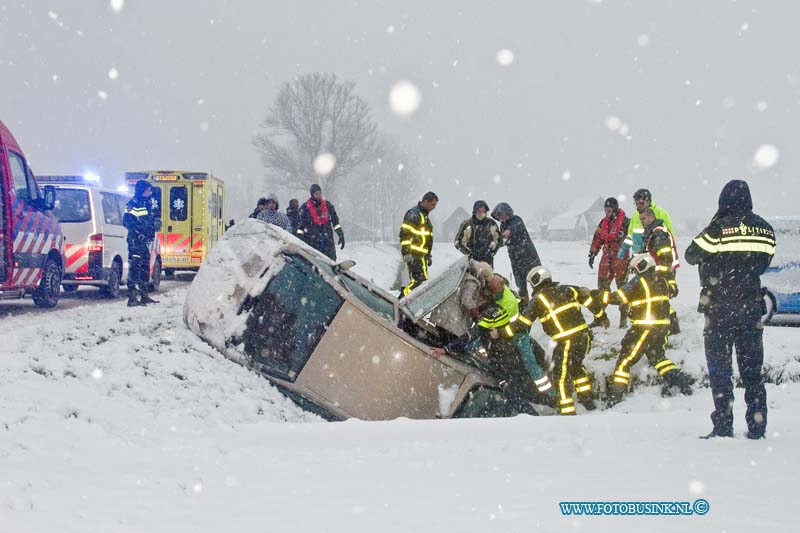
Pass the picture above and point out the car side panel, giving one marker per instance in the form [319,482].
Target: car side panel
[362,366]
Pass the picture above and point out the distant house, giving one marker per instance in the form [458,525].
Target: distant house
[578,221]
[448,229]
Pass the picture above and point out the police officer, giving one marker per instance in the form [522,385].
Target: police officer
[139,221]
[732,253]
[416,241]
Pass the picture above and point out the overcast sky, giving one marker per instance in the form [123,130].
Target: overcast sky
[601,98]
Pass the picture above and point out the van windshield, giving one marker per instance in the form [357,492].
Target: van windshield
[72,205]
[289,318]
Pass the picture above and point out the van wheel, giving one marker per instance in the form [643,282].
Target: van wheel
[46,295]
[155,281]
[112,289]
[70,288]
[169,272]
[770,305]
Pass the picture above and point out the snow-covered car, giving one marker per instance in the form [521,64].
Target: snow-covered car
[328,338]
[781,281]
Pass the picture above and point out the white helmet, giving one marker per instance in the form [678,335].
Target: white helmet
[537,276]
[641,263]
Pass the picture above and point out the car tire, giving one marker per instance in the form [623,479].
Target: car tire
[169,273]
[49,290]
[70,289]
[770,305]
[114,279]
[155,281]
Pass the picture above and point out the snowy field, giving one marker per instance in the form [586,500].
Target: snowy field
[120,420]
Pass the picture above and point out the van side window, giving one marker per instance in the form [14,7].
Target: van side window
[178,208]
[25,189]
[289,318]
[111,211]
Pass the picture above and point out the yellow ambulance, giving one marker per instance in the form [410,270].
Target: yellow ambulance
[190,206]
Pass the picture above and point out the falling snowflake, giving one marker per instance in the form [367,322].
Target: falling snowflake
[178,204]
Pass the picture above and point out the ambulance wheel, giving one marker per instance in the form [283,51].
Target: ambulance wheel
[169,272]
[70,289]
[114,279]
[155,281]
[46,295]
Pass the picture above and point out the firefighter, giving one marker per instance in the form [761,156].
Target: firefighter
[509,324]
[416,241]
[141,226]
[478,237]
[608,237]
[647,296]
[521,251]
[633,240]
[558,309]
[660,244]
[318,221]
[732,253]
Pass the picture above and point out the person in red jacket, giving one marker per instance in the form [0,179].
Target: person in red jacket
[608,237]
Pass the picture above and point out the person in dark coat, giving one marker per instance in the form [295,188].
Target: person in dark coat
[293,214]
[521,251]
[478,237]
[141,226]
[271,215]
[261,206]
[732,253]
[318,221]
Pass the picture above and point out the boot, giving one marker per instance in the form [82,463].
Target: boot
[679,380]
[623,322]
[147,300]
[587,403]
[133,302]
[715,433]
[615,393]
[753,435]
[674,326]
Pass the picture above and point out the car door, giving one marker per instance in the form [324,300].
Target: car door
[114,233]
[5,242]
[176,211]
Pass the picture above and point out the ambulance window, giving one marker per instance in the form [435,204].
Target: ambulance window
[111,211]
[155,200]
[177,203]
[25,188]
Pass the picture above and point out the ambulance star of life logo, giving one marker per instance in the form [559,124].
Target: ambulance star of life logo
[154,203]
[178,204]
[742,229]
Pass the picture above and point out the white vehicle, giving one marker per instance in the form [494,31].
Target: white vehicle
[96,241]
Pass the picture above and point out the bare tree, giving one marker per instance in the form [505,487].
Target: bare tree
[312,115]
[388,185]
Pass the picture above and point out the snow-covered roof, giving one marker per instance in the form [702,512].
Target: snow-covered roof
[567,219]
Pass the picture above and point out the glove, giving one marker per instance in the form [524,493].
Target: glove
[429,259]
[475,313]
[340,233]
[591,259]
[408,258]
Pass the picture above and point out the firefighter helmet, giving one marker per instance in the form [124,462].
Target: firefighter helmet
[538,275]
[641,263]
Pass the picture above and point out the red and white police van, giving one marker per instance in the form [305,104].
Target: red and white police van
[31,242]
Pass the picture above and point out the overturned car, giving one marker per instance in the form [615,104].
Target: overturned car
[328,338]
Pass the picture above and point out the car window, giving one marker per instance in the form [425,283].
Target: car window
[425,298]
[24,187]
[371,299]
[72,205]
[111,211]
[178,210]
[155,201]
[288,319]
[483,402]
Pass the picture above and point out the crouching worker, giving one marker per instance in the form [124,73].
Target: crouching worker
[558,308]
[499,321]
[647,296]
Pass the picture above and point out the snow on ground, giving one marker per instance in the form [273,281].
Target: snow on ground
[118,419]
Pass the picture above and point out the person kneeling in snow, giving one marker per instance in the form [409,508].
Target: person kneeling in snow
[558,308]
[647,296]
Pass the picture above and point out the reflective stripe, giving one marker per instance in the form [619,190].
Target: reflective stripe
[664,250]
[138,211]
[621,372]
[337,226]
[524,320]
[414,230]
[419,249]
[606,296]
[542,381]
[509,331]
[557,311]
[588,302]
[570,332]
[638,230]
[653,299]
[652,322]
[584,379]
[665,366]
[622,296]
[300,232]
[562,385]
[583,388]
[736,244]
[545,388]
[660,268]
[567,410]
